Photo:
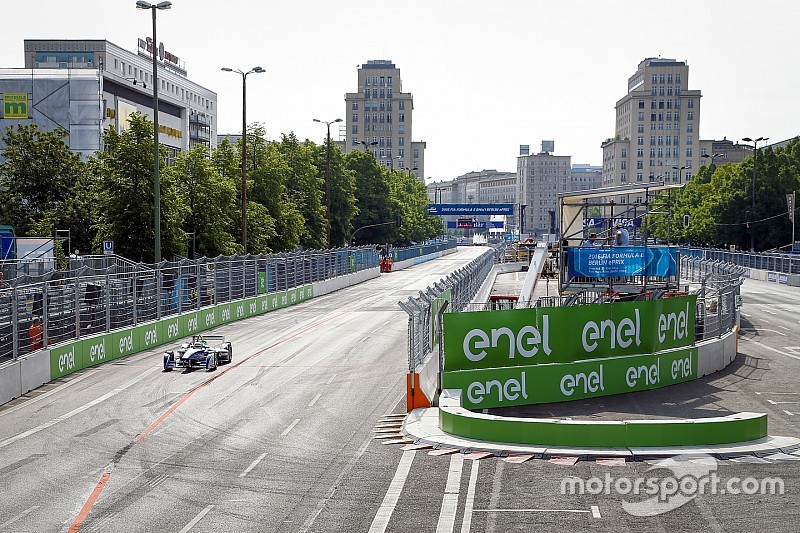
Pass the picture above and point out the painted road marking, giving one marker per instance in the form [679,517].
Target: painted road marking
[48,393]
[771,348]
[196,519]
[291,427]
[447,516]
[754,330]
[783,327]
[595,511]
[330,380]
[466,522]
[74,412]
[315,400]
[20,516]
[389,502]
[788,412]
[87,507]
[773,402]
[776,393]
[253,465]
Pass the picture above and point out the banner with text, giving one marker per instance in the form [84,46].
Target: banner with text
[605,262]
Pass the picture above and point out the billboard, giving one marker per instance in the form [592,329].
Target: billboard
[605,262]
[470,209]
[15,105]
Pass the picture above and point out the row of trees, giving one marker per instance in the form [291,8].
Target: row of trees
[719,202]
[110,197]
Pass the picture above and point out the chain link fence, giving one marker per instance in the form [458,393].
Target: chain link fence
[102,293]
[718,296]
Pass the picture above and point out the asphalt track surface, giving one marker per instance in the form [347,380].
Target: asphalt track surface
[281,439]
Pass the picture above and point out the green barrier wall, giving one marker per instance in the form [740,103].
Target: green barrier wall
[69,358]
[559,382]
[742,427]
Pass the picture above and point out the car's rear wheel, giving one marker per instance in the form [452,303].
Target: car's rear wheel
[230,353]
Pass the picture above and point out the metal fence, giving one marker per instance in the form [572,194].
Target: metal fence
[410,252]
[718,300]
[718,295]
[103,293]
[785,263]
[463,285]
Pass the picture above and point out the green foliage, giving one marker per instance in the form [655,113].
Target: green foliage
[124,174]
[210,199]
[372,198]
[44,183]
[343,197]
[306,189]
[410,201]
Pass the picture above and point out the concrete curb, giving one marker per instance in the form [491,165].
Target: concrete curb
[422,425]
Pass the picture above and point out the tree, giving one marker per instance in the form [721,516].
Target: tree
[305,189]
[372,198]
[410,202]
[210,199]
[124,173]
[45,184]
[343,197]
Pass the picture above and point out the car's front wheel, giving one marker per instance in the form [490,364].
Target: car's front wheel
[211,362]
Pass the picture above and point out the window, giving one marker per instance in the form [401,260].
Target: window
[624,152]
[678,78]
[623,164]
[383,80]
[401,153]
[374,80]
[623,177]
[401,141]
[661,104]
[355,140]
[661,91]
[654,91]
[661,78]
[639,178]
[639,152]
[354,119]
[652,153]
[689,128]
[355,106]
[652,117]
[416,154]
[690,103]
[389,93]
[401,104]
[669,79]
[688,139]
[383,117]
[655,80]
[401,128]
[401,117]
[389,81]
[641,104]
[668,140]
[669,91]
[366,81]
[353,130]
[374,93]
[703,151]
[383,93]
[640,164]
[660,140]
[383,153]
[640,128]
[382,142]
[641,115]
[690,115]
[688,152]
[660,153]
[640,140]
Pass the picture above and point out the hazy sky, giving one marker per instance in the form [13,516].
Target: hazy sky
[486,76]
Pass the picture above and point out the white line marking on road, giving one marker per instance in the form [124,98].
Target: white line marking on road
[532,511]
[788,412]
[21,515]
[331,379]
[771,348]
[253,464]
[447,516]
[777,393]
[595,511]
[783,327]
[744,314]
[389,502]
[315,400]
[291,427]
[494,499]
[74,412]
[196,519]
[466,522]
[51,391]
[772,402]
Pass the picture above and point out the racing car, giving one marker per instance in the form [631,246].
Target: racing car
[200,353]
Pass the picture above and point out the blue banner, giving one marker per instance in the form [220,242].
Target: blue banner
[609,262]
[452,224]
[470,209]
[8,243]
[600,222]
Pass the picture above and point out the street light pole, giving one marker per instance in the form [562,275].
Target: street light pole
[368,144]
[680,173]
[141,4]
[257,70]
[753,189]
[328,175]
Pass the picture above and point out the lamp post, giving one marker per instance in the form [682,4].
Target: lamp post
[256,70]
[367,144]
[711,157]
[409,170]
[680,173]
[328,175]
[141,4]
[753,189]
[391,161]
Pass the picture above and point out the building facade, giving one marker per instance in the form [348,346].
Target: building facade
[380,119]
[540,178]
[98,85]
[657,128]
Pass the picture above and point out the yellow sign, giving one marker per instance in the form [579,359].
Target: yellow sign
[15,105]
[172,132]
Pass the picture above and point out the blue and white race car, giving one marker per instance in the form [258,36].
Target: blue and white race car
[204,351]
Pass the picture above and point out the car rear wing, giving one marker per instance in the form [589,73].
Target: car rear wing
[211,338]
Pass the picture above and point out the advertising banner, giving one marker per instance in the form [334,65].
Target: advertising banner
[262,283]
[525,385]
[65,359]
[146,337]
[120,343]
[207,318]
[493,339]
[94,350]
[495,224]
[470,209]
[597,262]
[15,105]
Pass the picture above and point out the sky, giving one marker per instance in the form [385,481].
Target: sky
[486,76]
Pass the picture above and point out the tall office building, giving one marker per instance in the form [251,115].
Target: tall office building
[379,118]
[86,86]
[540,177]
[657,127]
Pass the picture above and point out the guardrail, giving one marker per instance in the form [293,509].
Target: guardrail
[458,289]
[411,252]
[102,294]
[719,295]
[784,263]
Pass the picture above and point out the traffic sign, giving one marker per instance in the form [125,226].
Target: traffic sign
[108,247]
